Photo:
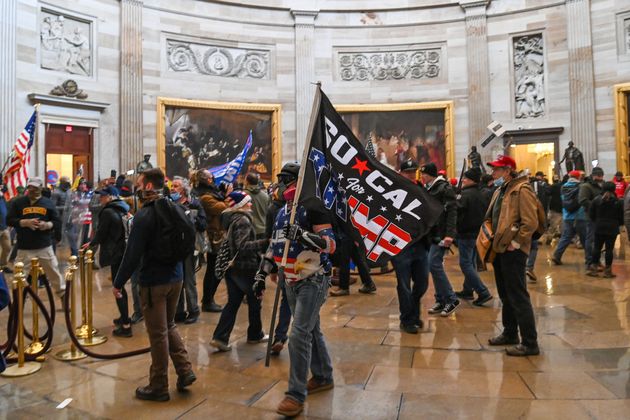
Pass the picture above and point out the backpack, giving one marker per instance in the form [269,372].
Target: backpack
[224,260]
[175,238]
[540,213]
[570,200]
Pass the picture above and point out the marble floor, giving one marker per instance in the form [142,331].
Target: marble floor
[446,370]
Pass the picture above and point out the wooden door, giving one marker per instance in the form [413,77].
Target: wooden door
[77,141]
[81,161]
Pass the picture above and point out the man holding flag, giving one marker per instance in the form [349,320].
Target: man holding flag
[375,206]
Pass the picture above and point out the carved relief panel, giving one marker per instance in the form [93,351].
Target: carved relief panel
[217,60]
[65,43]
[387,63]
[529,76]
[623,35]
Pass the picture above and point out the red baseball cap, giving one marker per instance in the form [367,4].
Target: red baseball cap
[503,162]
[575,174]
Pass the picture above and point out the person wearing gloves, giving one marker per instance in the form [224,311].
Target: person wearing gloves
[245,249]
[307,278]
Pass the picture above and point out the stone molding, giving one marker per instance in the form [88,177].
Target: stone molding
[389,63]
[36,98]
[528,60]
[217,60]
[623,35]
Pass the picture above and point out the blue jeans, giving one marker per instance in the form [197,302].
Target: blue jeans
[468,265]
[570,228]
[306,341]
[443,291]
[533,254]
[590,241]
[411,264]
[284,320]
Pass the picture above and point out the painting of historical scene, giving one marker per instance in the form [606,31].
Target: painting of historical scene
[398,136]
[198,138]
[65,44]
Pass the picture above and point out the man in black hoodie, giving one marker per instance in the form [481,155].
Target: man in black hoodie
[37,225]
[111,236]
[471,209]
[441,236]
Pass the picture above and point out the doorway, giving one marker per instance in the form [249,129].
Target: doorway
[69,150]
[535,149]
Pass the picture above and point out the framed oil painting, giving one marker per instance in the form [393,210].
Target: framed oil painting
[421,131]
[195,135]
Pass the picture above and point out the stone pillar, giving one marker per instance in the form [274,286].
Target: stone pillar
[304,74]
[131,150]
[479,113]
[581,80]
[8,21]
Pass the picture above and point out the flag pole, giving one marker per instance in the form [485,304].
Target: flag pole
[298,190]
[36,136]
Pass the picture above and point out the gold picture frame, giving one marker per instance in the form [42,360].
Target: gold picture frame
[445,106]
[274,109]
[621,93]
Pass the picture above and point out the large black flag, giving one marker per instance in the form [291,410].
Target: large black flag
[382,211]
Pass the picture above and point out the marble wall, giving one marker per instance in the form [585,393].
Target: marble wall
[479,55]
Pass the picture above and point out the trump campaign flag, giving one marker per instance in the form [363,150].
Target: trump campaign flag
[229,171]
[382,211]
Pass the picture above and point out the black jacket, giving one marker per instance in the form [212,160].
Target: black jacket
[555,197]
[447,225]
[588,191]
[541,188]
[43,209]
[110,232]
[242,239]
[140,244]
[471,210]
[487,193]
[607,213]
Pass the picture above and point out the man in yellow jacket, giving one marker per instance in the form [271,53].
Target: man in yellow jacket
[513,213]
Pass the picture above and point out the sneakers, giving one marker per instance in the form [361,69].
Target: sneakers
[222,346]
[136,317]
[289,407]
[465,295]
[185,380]
[608,274]
[482,299]
[313,386]
[531,275]
[436,309]
[502,340]
[409,329]
[148,394]
[211,307]
[262,339]
[121,331]
[276,347]
[556,261]
[521,350]
[338,291]
[449,308]
[592,271]
[368,288]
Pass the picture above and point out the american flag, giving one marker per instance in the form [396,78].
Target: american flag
[17,172]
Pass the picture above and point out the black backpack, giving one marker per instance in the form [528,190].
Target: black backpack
[570,200]
[175,233]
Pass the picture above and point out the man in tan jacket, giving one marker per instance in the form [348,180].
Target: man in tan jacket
[513,212]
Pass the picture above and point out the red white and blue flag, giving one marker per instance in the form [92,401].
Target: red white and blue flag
[17,170]
[382,211]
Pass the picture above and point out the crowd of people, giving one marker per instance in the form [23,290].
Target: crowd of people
[240,232]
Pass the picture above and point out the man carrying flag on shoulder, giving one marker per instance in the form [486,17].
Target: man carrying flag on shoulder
[373,205]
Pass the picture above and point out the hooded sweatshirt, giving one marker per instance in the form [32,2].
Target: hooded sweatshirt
[110,232]
[260,203]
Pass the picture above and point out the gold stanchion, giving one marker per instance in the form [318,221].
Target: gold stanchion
[73,353]
[22,368]
[36,346]
[82,331]
[92,339]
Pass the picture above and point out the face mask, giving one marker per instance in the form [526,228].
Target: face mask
[289,193]
[499,182]
[175,196]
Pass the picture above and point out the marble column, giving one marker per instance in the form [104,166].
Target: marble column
[304,74]
[8,20]
[131,149]
[479,113]
[581,80]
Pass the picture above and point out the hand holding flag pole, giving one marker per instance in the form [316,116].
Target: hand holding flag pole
[298,189]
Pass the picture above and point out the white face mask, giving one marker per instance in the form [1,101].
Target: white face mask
[499,182]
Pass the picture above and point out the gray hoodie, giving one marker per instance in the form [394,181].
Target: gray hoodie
[260,202]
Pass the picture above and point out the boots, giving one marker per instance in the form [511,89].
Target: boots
[592,271]
[608,274]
